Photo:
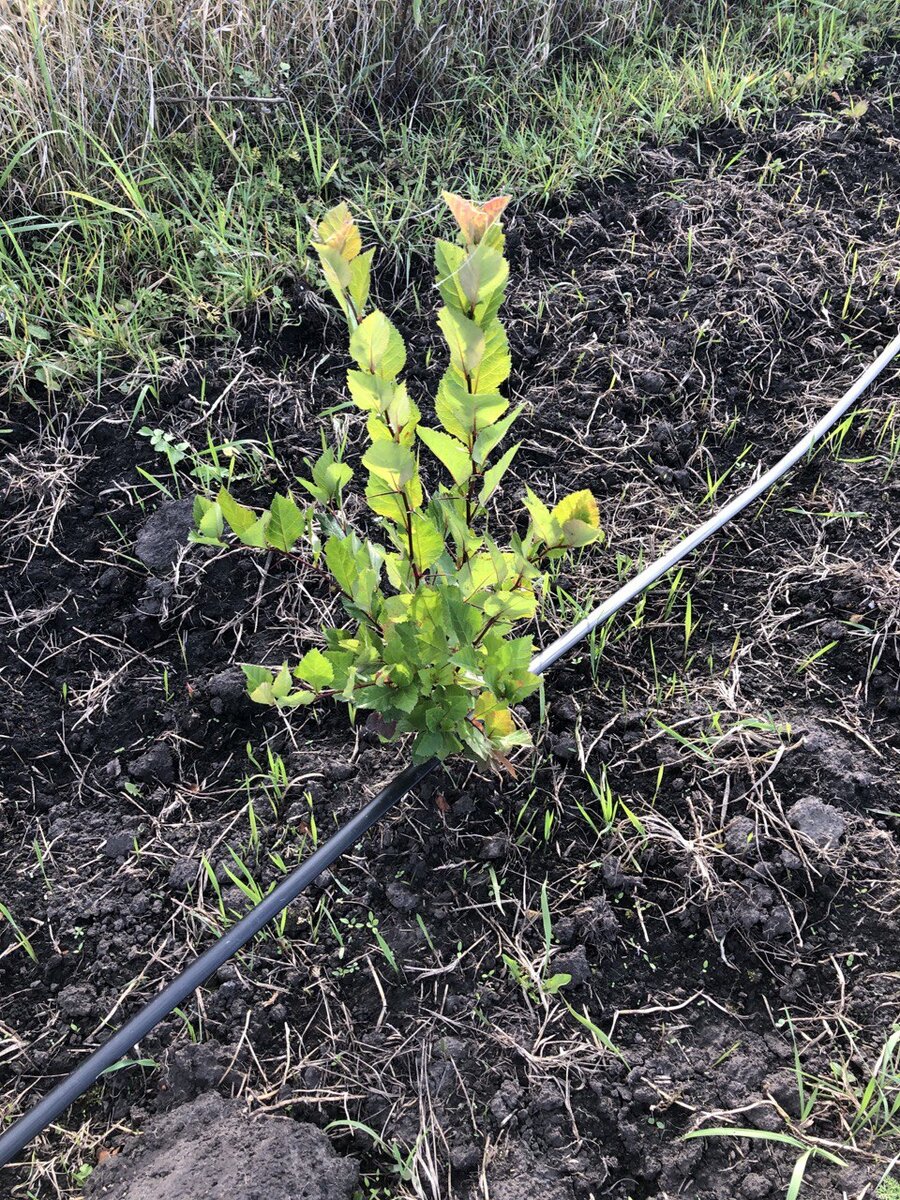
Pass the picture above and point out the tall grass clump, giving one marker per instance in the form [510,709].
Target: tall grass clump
[77,73]
[159,158]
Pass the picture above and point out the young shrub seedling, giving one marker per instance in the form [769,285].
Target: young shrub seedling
[433,604]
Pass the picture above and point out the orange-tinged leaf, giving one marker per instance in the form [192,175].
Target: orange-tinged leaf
[474,220]
[493,209]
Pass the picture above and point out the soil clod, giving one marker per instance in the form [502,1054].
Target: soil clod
[211,1147]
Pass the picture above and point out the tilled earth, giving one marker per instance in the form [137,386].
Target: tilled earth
[732,924]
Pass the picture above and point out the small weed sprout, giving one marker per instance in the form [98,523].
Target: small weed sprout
[431,650]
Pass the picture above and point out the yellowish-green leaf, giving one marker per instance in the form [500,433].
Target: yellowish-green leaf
[494,475]
[448,259]
[510,606]
[315,670]
[540,518]
[579,506]
[384,501]
[255,534]
[238,516]
[488,438]
[377,346]
[578,533]
[449,451]
[209,519]
[495,364]
[369,392]
[281,684]
[391,462]
[427,543]
[337,272]
[338,231]
[360,279]
[483,273]
[465,340]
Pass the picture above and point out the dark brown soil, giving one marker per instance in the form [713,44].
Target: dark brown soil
[667,329]
[213,1147]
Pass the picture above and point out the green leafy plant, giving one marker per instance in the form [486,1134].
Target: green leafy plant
[430,649]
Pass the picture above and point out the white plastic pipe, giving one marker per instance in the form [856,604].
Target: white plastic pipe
[633,588]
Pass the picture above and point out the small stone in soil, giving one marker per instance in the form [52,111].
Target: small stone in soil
[339,772]
[182,874]
[565,748]
[465,1158]
[453,1048]
[76,1001]
[819,823]
[227,690]
[493,848]
[119,844]
[156,765]
[651,383]
[565,710]
[573,962]
[755,1187]
[163,533]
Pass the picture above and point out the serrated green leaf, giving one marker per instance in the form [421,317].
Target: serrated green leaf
[209,519]
[255,675]
[402,416]
[255,534]
[427,542]
[541,519]
[259,683]
[466,342]
[577,533]
[377,346]
[385,502]
[369,392]
[296,699]
[495,363]
[482,275]
[580,506]
[488,408]
[315,670]
[360,278]
[394,464]
[330,477]
[453,406]
[338,230]
[510,606]
[494,474]
[434,745]
[238,516]
[492,435]
[287,523]
[450,452]
[281,684]
[337,273]
[464,414]
[341,562]
[404,699]
[448,259]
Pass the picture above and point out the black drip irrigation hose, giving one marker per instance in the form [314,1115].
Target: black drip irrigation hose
[33,1122]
